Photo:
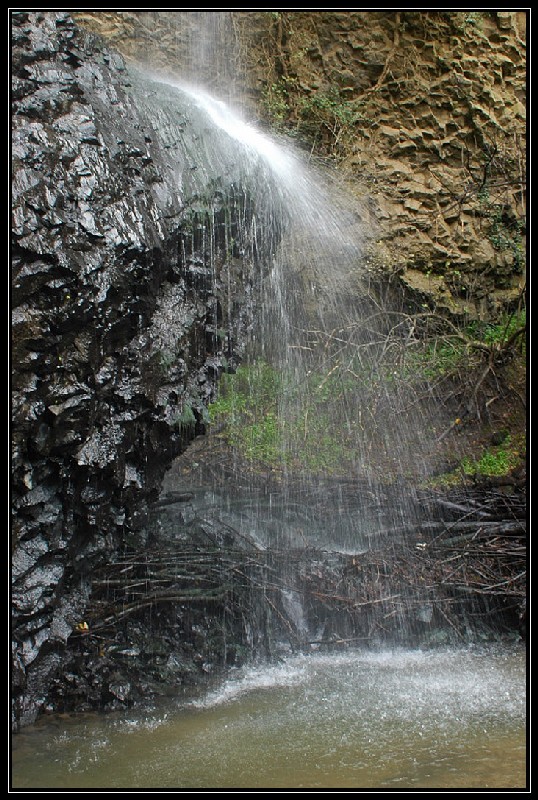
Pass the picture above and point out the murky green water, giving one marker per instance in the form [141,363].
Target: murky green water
[392,720]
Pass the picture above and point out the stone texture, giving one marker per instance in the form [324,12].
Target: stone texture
[424,112]
[132,292]
[438,141]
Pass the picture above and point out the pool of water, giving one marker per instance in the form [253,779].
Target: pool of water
[393,720]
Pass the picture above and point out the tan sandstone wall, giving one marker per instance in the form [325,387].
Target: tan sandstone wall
[422,111]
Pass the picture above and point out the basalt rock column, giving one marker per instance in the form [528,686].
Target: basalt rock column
[135,269]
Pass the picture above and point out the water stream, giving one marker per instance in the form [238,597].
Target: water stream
[393,720]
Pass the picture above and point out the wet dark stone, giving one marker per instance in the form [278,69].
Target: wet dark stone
[113,308]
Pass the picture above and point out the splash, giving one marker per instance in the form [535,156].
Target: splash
[438,687]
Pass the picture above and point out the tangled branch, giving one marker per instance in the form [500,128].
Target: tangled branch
[467,559]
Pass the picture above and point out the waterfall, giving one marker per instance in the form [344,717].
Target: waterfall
[208,254]
[324,431]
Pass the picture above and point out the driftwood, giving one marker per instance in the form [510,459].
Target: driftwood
[461,569]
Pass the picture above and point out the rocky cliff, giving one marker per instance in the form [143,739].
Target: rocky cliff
[423,111]
[134,278]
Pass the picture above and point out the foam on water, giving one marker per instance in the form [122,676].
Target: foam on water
[404,718]
[289,673]
[413,684]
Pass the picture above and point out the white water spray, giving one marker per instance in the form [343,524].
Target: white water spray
[325,416]
[325,225]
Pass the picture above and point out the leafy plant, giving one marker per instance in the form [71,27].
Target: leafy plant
[499,333]
[463,348]
[275,103]
[326,111]
[496,461]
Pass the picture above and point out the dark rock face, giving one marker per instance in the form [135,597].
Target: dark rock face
[134,278]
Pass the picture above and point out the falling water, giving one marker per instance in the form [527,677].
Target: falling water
[315,292]
[332,428]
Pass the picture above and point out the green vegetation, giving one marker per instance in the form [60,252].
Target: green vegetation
[434,360]
[505,232]
[463,348]
[357,410]
[494,461]
[326,109]
[502,332]
[275,103]
[322,116]
[278,420]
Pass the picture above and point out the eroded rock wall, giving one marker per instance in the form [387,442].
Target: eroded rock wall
[133,289]
[423,111]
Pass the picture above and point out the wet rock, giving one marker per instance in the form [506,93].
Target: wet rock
[112,325]
[120,689]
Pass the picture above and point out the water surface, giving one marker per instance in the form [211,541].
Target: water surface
[393,719]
